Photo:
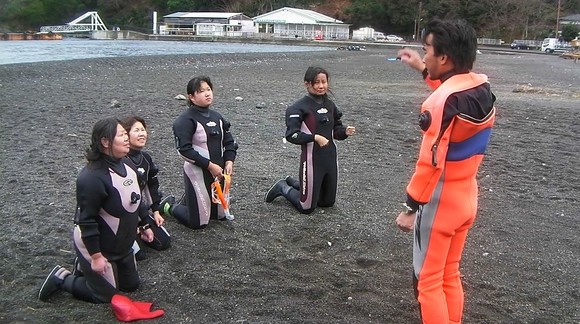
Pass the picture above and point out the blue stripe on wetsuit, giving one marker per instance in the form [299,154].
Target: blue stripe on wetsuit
[474,145]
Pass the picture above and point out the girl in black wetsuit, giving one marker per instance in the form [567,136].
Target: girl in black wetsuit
[147,172]
[204,141]
[107,218]
[313,122]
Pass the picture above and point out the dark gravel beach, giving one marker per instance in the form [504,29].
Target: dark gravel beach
[345,264]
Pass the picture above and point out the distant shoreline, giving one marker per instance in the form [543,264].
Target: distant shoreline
[69,49]
[29,36]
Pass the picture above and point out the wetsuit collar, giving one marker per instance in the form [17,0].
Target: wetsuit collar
[449,74]
[134,152]
[203,111]
[318,99]
[115,164]
[135,156]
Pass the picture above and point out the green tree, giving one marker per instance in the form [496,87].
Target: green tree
[571,6]
[569,32]
[188,5]
[66,12]
[365,13]
[24,14]
[20,15]
[508,19]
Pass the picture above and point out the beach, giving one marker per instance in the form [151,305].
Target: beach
[344,264]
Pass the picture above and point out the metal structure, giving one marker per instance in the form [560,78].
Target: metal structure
[81,24]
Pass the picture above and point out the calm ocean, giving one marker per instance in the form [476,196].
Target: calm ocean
[73,48]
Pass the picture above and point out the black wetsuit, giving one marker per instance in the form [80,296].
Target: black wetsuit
[318,165]
[106,221]
[201,135]
[147,172]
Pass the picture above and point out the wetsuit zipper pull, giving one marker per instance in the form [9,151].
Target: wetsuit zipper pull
[434,155]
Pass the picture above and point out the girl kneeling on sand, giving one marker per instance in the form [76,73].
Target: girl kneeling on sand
[313,122]
[204,141]
[108,214]
[147,172]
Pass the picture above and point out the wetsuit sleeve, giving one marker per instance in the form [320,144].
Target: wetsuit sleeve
[294,118]
[143,213]
[230,146]
[430,164]
[183,130]
[91,194]
[424,164]
[153,181]
[339,131]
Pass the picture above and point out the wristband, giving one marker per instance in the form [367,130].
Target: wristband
[144,228]
[408,209]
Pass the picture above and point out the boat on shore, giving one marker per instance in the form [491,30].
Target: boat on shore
[30,36]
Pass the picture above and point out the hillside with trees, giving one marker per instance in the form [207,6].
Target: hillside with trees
[505,19]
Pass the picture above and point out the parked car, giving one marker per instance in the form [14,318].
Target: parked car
[518,45]
[393,38]
[379,36]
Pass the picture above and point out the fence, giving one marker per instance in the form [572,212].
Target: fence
[489,41]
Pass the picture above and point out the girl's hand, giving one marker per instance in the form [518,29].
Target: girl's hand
[159,220]
[350,130]
[229,169]
[147,235]
[215,170]
[320,140]
[99,263]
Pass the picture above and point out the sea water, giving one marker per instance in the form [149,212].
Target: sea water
[28,51]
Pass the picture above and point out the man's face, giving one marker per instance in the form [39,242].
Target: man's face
[432,62]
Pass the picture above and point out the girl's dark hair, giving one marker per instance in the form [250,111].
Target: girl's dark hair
[195,84]
[454,38]
[128,122]
[312,72]
[104,128]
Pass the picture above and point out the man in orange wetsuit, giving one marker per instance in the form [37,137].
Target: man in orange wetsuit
[456,120]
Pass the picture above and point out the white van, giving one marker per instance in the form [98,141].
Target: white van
[551,45]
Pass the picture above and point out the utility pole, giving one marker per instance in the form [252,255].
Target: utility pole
[558,20]
[418,22]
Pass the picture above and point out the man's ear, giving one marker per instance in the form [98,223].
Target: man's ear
[444,60]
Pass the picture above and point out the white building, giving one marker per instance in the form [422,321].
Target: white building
[207,23]
[300,23]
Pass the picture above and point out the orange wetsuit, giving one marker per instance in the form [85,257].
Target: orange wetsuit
[444,186]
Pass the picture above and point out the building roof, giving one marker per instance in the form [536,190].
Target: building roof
[289,15]
[572,18]
[214,15]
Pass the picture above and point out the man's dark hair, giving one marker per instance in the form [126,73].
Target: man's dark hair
[454,38]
